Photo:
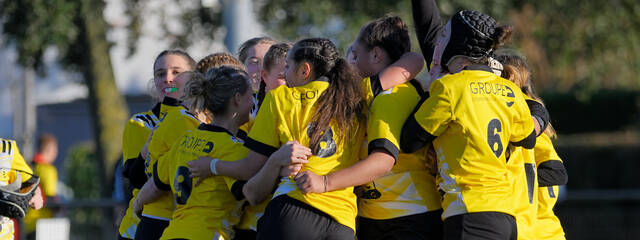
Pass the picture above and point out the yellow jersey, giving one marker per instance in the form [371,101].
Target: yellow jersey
[473,116]
[522,162]
[548,225]
[135,135]
[285,115]
[408,188]
[10,158]
[175,123]
[211,206]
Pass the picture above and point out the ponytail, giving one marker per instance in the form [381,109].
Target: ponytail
[343,102]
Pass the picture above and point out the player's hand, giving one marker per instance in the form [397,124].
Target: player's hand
[309,182]
[200,169]
[291,170]
[37,201]
[137,208]
[290,153]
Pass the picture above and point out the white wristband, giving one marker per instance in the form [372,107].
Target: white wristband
[212,166]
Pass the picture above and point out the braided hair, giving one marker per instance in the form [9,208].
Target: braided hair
[344,100]
[216,60]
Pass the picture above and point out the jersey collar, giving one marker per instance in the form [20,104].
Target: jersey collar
[156,110]
[171,101]
[213,128]
[479,67]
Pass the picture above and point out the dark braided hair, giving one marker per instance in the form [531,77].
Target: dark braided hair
[343,102]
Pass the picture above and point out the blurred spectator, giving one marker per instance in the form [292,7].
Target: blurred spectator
[44,168]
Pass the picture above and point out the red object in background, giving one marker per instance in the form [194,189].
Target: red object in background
[16,229]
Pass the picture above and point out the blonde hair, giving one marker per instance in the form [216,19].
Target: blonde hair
[515,69]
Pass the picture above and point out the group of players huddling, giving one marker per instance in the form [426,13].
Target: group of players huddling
[295,141]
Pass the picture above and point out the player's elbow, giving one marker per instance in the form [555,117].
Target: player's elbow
[252,196]
[552,173]
[529,142]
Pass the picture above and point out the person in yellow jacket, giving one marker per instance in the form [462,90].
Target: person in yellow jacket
[15,176]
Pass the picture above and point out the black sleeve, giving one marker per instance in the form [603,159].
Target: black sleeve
[236,189]
[134,171]
[426,19]
[162,186]
[552,173]
[540,113]
[529,142]
[259,147]
[29,182]
[413,136]
[385,144]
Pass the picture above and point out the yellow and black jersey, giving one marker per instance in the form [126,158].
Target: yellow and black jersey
[13,167]
[136,132]
[475,115]
[10,158]
[175,123]
[408,188]
[211,205]
[285,115]
[548,225]
[523,165]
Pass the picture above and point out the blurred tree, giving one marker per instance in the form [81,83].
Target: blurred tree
[571,45]
[78,30]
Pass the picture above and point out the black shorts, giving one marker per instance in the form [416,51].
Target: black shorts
[287,218]
[423,226]
[481,225]
[244,234]
[150,229]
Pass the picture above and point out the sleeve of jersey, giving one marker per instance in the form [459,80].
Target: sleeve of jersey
[20,164]
[523,133]
[235,186]
[263,137]
[384,125]
[551,170]
[426,18]
[160,174]
[539,112]
[430,119]
[133,139]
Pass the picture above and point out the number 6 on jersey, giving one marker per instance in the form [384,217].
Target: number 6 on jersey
[493,136]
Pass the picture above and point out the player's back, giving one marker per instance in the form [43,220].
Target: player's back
[475,115]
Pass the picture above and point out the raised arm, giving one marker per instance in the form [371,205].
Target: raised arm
[401,71]
[426,19]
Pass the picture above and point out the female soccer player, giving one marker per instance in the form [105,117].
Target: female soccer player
[176,122]
[166,67]
[251,53]
[471,116]
[403,203]
[536,188]
[315,74]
